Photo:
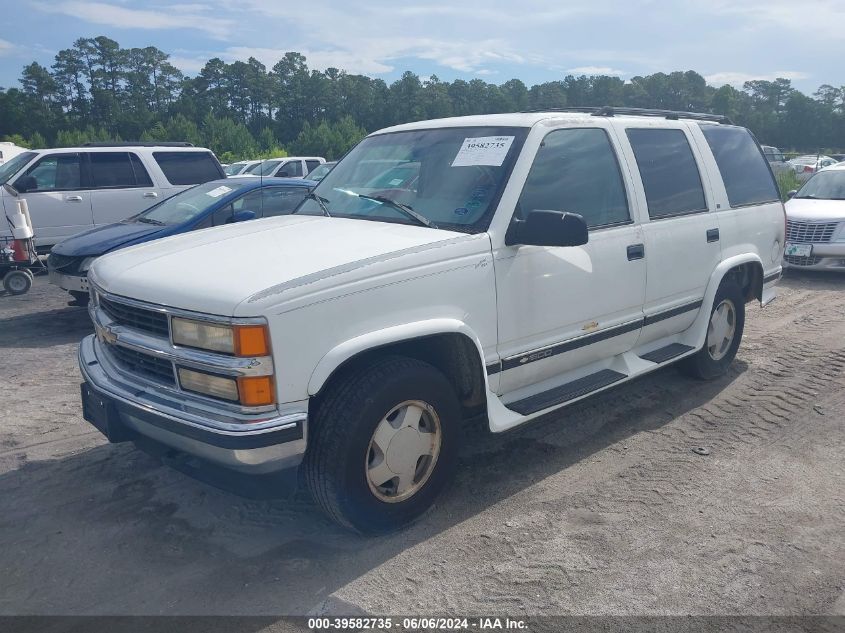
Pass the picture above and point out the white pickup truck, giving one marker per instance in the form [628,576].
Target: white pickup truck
[504,266]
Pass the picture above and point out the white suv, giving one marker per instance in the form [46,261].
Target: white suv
[531,260]
[71,189]
[288,167]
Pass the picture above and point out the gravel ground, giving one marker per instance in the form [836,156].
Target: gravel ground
[600,509]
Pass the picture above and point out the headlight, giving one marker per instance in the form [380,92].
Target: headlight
[238,340]
[86,264]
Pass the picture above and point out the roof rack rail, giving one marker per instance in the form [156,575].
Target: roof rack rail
[665,114]
[138,144]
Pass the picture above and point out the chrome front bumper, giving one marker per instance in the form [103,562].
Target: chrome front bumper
[827,256]
[260,443]
[74,283]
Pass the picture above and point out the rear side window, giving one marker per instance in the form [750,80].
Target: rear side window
[188,168]
[312,165]
[670,176]
[111,170]
[747,177]
[576,170]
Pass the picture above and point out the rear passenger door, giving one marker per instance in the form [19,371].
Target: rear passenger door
[121,186]
[682,245]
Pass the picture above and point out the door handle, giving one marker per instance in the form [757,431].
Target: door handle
[150,194]
[73,199]
[712,235]
[636,251]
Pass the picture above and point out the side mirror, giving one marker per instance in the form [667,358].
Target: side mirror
[11,190]
[26,183]
[791,193]
[548,228]
[243,215]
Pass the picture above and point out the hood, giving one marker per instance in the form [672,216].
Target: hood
[809,209]
[106,238]
[214,270]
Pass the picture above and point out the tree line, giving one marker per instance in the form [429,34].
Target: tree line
[98,91]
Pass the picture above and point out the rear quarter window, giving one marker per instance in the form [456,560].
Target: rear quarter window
[745,172]
[188,168]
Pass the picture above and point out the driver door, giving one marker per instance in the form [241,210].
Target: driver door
[560,308]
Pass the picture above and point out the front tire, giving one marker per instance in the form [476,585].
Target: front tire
[17,282]
[382,444]
[724,334]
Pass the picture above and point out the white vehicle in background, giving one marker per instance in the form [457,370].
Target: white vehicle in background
[533,260]
[241,167]
[806,166]
[72,189]
[288,167]
[9,150]
[815,222]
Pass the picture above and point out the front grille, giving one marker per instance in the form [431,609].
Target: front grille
[68,265]
[144,365]
[794,260]
[809,232]
[134,317]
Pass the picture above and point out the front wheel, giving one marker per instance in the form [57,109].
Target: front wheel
[17,282]
[724,333]
[383,443]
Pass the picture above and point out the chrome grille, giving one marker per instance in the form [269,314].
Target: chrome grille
[134,317]
[809,232]
[795,260]
[143,364]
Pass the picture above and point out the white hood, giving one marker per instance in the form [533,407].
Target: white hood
[822,210]
[214,270]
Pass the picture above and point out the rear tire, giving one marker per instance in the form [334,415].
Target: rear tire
[367,423]
[17,282]
[724,334]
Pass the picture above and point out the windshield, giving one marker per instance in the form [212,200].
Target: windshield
[825,185]
[188,204]
[9,169]
[266,168]
[452,177]
[233,169]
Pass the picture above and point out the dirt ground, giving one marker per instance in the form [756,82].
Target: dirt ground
[600,509]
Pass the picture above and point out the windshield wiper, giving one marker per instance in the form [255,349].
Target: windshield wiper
[404,208]
[151,221]
[319,200]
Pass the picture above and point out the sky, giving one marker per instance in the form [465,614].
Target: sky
[727,41]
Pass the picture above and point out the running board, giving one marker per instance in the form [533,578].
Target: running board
[662,354]
[567,392]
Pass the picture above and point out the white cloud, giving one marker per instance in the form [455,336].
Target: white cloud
[176,16]
[597,70]
[5,47]
[737,79]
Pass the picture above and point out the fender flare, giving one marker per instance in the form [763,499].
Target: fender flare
[350,348]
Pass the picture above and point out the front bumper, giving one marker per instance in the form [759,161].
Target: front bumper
[271,444]
[71,283]
[827,256]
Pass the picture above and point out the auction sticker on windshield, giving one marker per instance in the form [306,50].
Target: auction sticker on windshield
[483,150]
[216,193]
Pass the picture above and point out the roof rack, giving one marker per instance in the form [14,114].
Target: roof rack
[138,144]
[673,115]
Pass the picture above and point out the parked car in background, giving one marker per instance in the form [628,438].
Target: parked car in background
[288,167]
[71,189]
[242,166]
[9,150]
[805,166]
[815,222]
[776,160]
[536,259]
[319,172]
[214,203]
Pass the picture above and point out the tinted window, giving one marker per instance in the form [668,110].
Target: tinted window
[290,169]
[312,165]
[282,201]
[747,177]
[188,168]
[142,178]
[670,176]
[56,172]
[576,171]
[111,169]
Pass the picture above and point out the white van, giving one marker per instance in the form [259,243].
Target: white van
[72,189]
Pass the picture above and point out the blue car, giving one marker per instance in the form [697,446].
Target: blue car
[210,204]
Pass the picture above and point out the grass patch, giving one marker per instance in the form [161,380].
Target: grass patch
[787,181]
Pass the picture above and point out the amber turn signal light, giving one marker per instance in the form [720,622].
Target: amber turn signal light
[255,391]
[251,340]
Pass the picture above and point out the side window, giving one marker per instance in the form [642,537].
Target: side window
[221,216]
[312,165]
[111,170]
[670,176]
[54,172]
[249,202]
[291,169]
[576,170]
[142,177]
[747,177]
[188,168]
[281,201]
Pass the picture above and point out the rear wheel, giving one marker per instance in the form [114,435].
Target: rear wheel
[724,333]
[17,282]
[383,443]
